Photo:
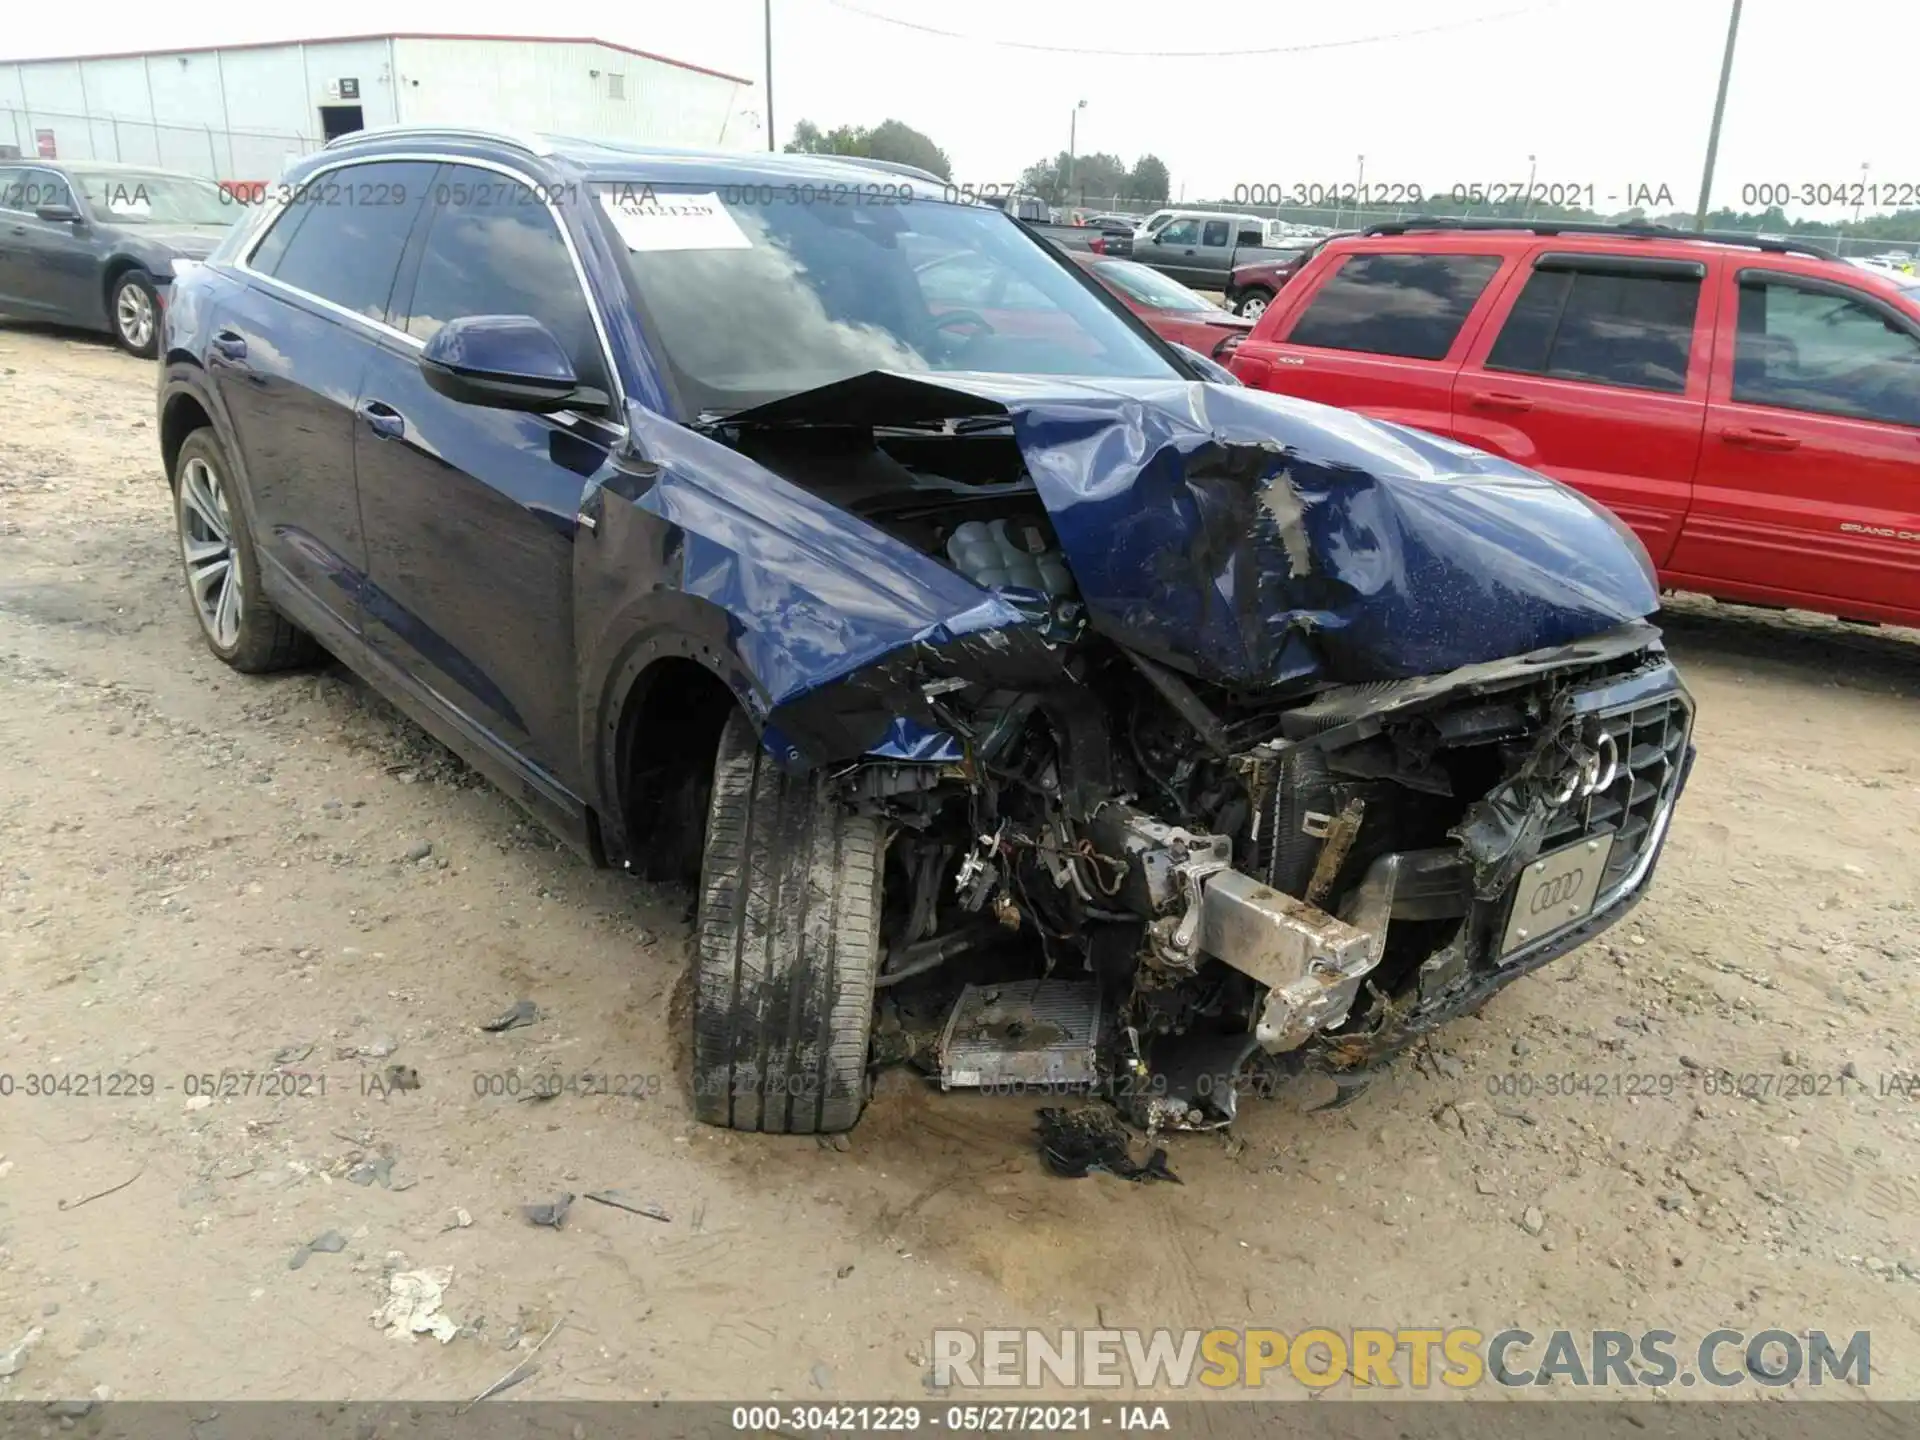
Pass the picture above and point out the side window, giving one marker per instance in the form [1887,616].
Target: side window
[1815,349]
[35,188]
[1629,328]
[1411,306]
[345,231]
[1250,237]
[1181,232]
[1215,233]
[13,188]
[493,248]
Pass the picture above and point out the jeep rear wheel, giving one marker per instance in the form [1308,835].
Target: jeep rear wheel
[787,949]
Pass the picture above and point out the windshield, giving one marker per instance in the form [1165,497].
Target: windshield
[762,291]
[138,197]
[1149,286]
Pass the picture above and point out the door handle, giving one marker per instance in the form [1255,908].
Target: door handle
[1500,400]
[1760,439]
[229,345]
[385,421]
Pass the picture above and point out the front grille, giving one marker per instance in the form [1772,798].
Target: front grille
[1650,741]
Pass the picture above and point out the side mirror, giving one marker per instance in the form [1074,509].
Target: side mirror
[57,213]
[1210,370]
[505,362]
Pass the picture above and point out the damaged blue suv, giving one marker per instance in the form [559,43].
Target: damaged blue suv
[1028,706]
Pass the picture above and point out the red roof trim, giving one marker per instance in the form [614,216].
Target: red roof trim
[390,35]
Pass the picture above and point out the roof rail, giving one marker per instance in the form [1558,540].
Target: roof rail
[1772,244]
[532,144]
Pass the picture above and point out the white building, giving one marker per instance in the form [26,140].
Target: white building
[241,112]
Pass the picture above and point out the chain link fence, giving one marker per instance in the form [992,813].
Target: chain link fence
[1351,218]
[241,157]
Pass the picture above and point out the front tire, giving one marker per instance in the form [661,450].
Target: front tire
[133,309]
[787,949]
[237,620]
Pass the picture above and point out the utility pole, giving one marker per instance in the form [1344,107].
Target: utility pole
[1073,143]
[1719,109]
[773,142]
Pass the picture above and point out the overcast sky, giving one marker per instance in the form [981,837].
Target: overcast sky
[1608,93]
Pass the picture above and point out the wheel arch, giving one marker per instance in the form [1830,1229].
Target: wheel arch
[655,733]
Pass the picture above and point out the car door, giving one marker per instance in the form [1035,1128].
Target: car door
[49,265]
[285,360]
[1594,371]
[13,207]
[470,511]
[1173,250]
[1808,489]
[1381,332]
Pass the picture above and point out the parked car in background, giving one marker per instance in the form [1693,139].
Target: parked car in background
[1201,249]
[1251,287]
[97,246]
[1750,407]
[1086,239]
[978,666]
[1170,309]
[1113,221]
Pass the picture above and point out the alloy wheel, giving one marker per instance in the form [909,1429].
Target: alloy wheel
[133,313]
[1253,307]
[206,543]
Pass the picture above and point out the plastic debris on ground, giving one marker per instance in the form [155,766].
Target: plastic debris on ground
[1074,1143]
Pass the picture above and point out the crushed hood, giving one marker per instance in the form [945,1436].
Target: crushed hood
[1252,539]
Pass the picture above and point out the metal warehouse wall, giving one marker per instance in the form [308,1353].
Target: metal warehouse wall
[227,114]
[565,89]
[244,113]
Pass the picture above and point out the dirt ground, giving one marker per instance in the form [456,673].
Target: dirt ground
[202,872]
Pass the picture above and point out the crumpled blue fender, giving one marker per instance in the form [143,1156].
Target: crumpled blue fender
[811,593]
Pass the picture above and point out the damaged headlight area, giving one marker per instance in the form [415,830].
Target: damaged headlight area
[1297,747]
[1104,873]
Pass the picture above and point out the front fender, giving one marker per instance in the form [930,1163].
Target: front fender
[784,592]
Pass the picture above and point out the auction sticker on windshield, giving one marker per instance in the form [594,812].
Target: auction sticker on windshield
[649,219]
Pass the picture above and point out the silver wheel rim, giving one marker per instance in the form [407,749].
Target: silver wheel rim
[134,314]
[1253,307]
[206,544]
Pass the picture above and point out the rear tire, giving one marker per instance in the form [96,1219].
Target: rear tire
[1252,304]
[787,949]
[236,619]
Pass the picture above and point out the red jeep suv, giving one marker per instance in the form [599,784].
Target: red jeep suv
[1751,407]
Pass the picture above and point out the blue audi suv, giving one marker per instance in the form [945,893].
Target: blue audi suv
[1027,704]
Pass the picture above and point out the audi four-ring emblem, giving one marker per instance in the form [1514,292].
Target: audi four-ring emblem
[1557,891]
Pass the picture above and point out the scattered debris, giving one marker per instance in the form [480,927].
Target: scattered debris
[413,1305]
[418,851]
[402,1077]
[102,1194]
[553,1215]
[620,1200]
[523,1012]
[843,1272]
[461,1220]
[1074,1142]
[518,1373]
[12,1360]
[1532,1221]
[292,1054]
[331,1242]
[821,1376]
[367,1171]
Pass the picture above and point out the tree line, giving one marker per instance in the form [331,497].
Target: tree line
[1061,179]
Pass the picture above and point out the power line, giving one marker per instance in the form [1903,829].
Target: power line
[1202,54]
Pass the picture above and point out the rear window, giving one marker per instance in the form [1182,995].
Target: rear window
[1411,306]
[1629,329]
[1815,348]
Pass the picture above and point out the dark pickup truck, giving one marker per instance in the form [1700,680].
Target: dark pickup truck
[1036,215]
[1203,250]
